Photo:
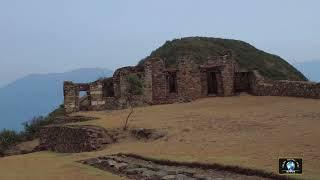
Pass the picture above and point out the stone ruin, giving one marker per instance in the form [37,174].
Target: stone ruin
[219,76]
[73,138]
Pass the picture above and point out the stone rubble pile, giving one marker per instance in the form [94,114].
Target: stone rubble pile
[147,134]
[137,169]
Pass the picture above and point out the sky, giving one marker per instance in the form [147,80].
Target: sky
[45,36]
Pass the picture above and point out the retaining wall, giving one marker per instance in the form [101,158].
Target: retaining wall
[73,138]
[260,87]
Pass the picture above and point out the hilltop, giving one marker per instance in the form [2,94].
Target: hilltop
[248,57]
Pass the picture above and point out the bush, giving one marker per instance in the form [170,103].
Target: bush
[31,130]
[32,127]
[8,138]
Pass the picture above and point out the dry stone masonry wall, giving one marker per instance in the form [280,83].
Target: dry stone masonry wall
[73,138]
[218,76]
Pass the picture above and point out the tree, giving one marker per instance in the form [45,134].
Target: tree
[134,88]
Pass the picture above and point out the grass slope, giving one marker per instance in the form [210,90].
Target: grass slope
[246,131]
[248,57]
[232,131]
[50,166]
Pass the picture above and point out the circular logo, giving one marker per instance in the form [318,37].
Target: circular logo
[291,165]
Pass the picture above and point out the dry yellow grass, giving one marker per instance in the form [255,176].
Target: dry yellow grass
[49,166]
[245,130]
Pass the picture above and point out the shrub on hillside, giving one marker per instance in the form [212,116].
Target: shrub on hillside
[32,127]
[31,130]
[8,138]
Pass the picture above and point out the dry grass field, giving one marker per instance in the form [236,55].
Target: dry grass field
[244,130]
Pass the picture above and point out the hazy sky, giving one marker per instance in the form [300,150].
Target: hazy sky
[43,36]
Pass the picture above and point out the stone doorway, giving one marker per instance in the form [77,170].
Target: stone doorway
[212,83]
[84,100]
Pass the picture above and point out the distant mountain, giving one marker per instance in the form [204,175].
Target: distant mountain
[39,94]
[310,69]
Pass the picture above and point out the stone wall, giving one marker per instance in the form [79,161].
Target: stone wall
[224,67]
[241,82]
[120,85]
[94,98]
[96,93]
[261,87]
[188,79]
[73,138]
[71,97]
[147,83]
[159,83]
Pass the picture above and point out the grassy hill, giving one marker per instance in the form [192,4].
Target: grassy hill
[248,57]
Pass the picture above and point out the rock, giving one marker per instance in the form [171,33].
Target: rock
[149,174]
[111,163]
[135,170]
[121,166]
[184,177]
[92,161]
[161,173]
[142,133]
[202,177]
[131,167]
[169,177]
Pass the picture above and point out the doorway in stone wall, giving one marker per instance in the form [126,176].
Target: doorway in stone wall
[84,100]
[212,83]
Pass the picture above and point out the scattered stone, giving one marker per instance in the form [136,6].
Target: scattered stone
[121,166]
[111,163]
[135,171]
[147,134]
[149,174]
[135,168]
[169,177]
[202,177]
[183,177]
[92,161]
[161,173]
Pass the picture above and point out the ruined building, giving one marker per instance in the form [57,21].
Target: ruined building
[219,76]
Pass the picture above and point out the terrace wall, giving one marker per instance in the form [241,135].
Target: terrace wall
[73,138]
[260,87]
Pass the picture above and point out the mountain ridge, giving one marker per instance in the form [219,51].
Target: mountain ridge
[39,94]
